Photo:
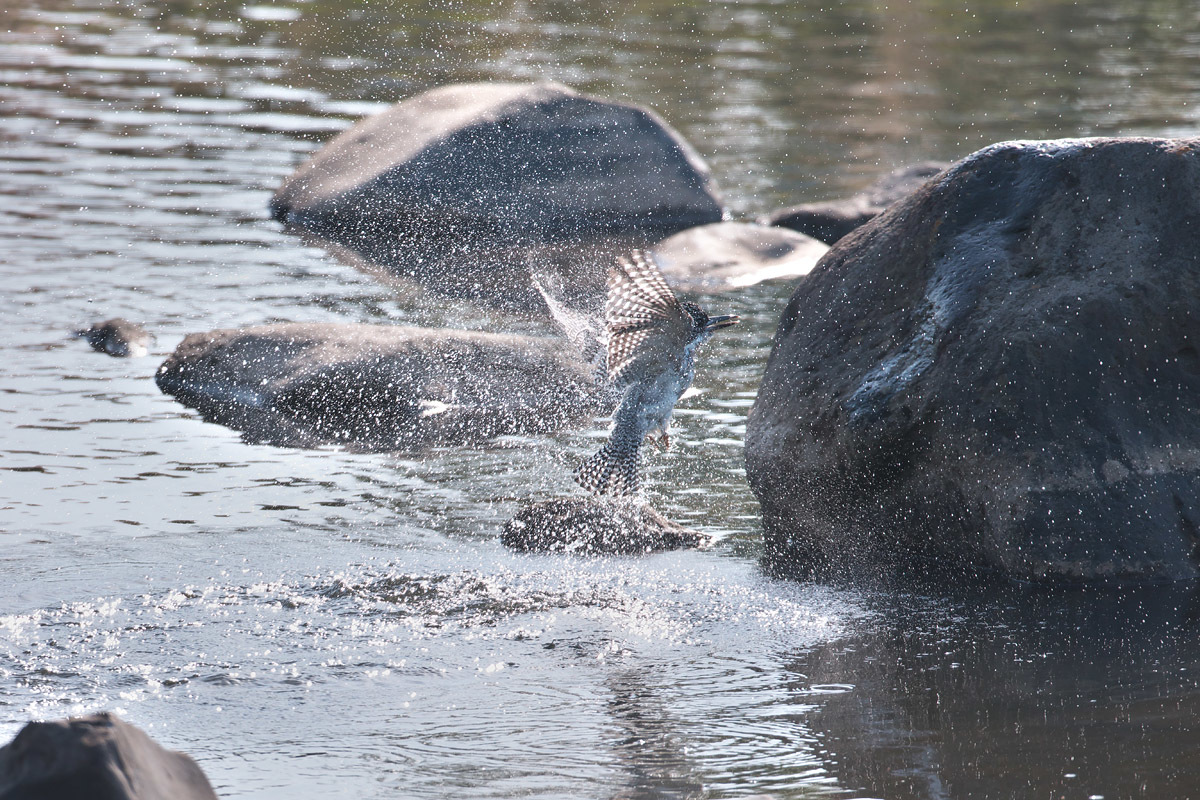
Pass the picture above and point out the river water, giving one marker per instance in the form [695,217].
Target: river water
[320,623]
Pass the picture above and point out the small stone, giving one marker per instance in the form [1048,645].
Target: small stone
[830,220]
[117,337]
[596,526]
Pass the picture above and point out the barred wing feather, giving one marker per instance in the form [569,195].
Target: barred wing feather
[640,306]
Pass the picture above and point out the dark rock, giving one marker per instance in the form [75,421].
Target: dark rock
[512,161]
[831,220]
[117,337]
[595,526]
[375,388]
[732,255]
[99,757]
[456,184]
[998,373]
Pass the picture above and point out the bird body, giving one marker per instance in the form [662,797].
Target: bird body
[652,339]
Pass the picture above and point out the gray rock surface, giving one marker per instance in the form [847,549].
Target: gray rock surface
[375,388]
[732,255]
[596,526]
[117,337]
[99,757]
[999,373]
[459,184]
[830,220]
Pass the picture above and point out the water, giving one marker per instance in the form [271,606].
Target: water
[318,623]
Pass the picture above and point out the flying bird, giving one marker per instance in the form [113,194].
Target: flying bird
[650,342]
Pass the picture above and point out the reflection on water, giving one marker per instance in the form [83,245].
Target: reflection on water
[1064,695]
[315,623]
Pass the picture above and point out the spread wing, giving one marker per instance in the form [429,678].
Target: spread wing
[641,313]
[581,328]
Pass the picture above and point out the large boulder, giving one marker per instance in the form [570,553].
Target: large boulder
[376,388]
[732,255]
[830,220]
[458,183]
[99,757]
[998,373]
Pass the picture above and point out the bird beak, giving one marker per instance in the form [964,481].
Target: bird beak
[722,321]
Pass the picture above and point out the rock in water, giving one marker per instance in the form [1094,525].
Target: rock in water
[998,373]
[595,526]
[830,220]
[98,756]
[117,337]
[377,387]
[458,182]
[732,255]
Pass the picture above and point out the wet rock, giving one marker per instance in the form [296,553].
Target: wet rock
[374,388]
[732,255]
[457,183]
[98,756]
[594,526]
[117,337]
[830,220]
[997,374]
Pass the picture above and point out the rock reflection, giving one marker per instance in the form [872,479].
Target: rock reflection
[491,275]
[1056,695]
[646,743]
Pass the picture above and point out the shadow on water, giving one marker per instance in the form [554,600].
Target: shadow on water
[1032,693]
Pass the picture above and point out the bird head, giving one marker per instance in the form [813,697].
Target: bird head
[704,326]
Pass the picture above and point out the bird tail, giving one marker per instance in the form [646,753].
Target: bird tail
[611,471]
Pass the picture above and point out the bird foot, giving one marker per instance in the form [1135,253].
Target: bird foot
[662,441]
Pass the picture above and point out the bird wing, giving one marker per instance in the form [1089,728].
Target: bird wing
[640,309]
[581,328]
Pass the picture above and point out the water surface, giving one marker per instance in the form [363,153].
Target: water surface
[317,623]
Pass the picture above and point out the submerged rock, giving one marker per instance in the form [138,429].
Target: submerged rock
[458,184]
[733,255]
[373,387]
[998,374]
[98,756]
[595,526]
[117,337]
[830,220]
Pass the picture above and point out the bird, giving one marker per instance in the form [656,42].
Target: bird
[650,342]
[581,327]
